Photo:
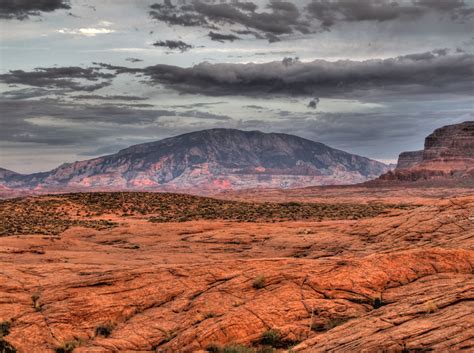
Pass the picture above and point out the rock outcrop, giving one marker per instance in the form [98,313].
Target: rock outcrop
[448,155]
[212,159]
[409,159]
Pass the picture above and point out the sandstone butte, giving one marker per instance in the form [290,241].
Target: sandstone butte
[398,278]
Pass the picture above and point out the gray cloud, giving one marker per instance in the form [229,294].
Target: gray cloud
[280,18]
[67,123]
[27,93]
[378,135]
[328,13]
[109,98]
[133,60]
[22,9]
[283,18]
[219,37]
[60,77]
[404,75]
[173,45]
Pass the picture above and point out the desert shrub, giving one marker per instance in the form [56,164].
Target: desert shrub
[377,303]
[104,330]
[430,306]
[209,315]
[259,282]
[271,338]
[214,348]
[6,347]
[35,302]
[68,347]
[237,348]
[4,328]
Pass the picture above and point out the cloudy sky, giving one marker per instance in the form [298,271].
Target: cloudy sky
[84,78]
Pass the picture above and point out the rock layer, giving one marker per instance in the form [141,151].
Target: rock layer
[409,159]
[448,155]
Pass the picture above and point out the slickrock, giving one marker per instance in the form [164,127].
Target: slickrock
[397,281]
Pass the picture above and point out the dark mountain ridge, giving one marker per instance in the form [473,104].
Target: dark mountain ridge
[221,158]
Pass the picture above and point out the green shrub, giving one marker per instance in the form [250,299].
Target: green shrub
[104,330]
[4,328]
[210,315]
[271,338]
[259,282]
[6,347]
[35,301]
[68,347]
[237,348]
[377,303]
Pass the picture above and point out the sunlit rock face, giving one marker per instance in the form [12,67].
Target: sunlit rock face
[217,158]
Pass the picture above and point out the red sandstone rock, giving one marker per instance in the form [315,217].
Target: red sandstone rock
[401,280]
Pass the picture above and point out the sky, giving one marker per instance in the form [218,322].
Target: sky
[85,78]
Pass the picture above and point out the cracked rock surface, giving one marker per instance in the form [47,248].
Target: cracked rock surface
[401,280]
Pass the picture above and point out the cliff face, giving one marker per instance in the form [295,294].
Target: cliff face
[448,154]
[218,158]
[450,142]
[409,159]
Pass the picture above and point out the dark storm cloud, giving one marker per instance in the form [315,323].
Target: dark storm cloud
[22,9]
[313,103]
[173,45]
[21,121]
[219,37]
[329,13]
[109,98]
[404,75]
[67,78]
[133,60]
[279,17]
[117,69]
[380,135]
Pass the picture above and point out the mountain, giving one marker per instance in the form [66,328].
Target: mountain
[217,158]
[448,155]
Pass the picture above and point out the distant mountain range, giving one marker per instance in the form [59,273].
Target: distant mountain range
[208,159]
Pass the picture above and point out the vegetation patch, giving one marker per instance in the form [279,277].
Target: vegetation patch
[68,347]
[6,347]
[4,328]
[104,330]
[259,282]
[238,348]
[35,302]
[53,214]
